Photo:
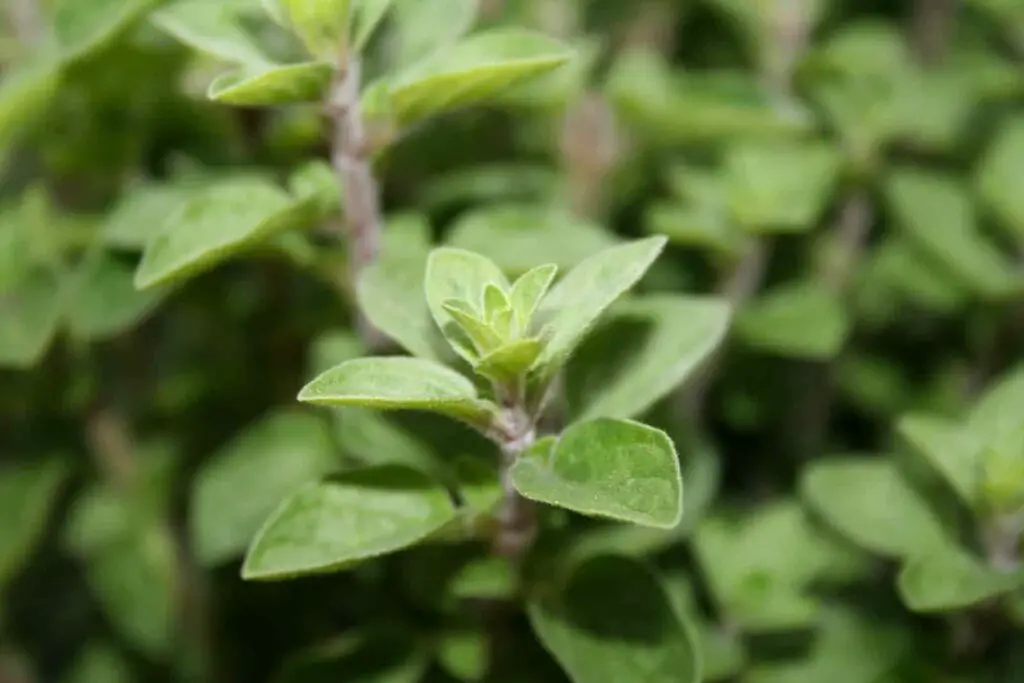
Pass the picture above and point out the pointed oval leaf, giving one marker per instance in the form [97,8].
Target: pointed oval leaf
[399,383]
[26,89]
[997,413]
[473,70]
[948,578]
[27,494]
[423,28]
[800,319]
[30,313]
[952,450]
[996,178]
[869,502]
[613,621]
[618,469]
[211,226]
[82,27]
[528,291]
[621,371]
[212,28]
[460,275]
[573,306]
[273,85]
[104,301]
[235,492]
[142,212]
[483,336]
[357,516]
[322,25]
[509,361]
[367,17]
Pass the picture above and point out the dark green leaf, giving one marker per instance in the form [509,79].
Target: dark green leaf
[27,494]
[82,27]
[104,301]
[30,313]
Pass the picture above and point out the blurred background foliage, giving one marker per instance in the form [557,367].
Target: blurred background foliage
[848,174]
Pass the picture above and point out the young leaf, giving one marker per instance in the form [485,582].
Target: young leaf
[612,621]
[82,27]
[212,28]
[473,70]
[869,502]
[104,301]
[322,25]
[27,493]
[680,333]
[528,291]
[947,578]
[780,187]
[273,85]
[574,304]
[618,469]
[800,319]
[459,275]
[482,335]
[937,213]
[953,451]
[30,313]
[510,360]
[399,383]
[235,492]
[212,225]
[357,516]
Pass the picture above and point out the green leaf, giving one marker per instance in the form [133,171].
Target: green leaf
[242,485]
[323,25]
[104,301]
[27,88]
[574,304]
[458,275]
[868,501]
[30,313]
[212,28]
[780,187]
[528,291]
[367,17]
[390,293]
[100,664]
[82,27]
[695,225]
[510,360]
[612,621]
[423,28]
[27,494]
[373,439]
[463,654]
[996,414]
[134,581]
[211,226]
[378,654]
[947,578]
[142,212]
[801,319]
[618,469]
[357,516]
[996,178]
[485,578]
[399,383]
[273,85]
[519,237]
[937,213]
[951,450]
[473,70]
[658,340]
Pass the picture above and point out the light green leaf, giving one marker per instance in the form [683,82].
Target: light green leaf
[458,275]
[868,501]
[574,304]
[367,17]
[937,213]
[26,89]
[947,578]
[399,383]
[359,515]
[484,578]
[695,225]
[27,494]
[134,581]
[996,177]
[464,654]
[528,291]
[323,25]
[997,413]
[953,451]
[612,621]
[210,226]
[472,70]
[243,484]
[510,360]
[142,212]
[273,85]
[30,313]
[104,301]
[373,439]
[490,183]
[82,27]
[658,341]
[618,469]
[780,187]
[212,28]
[424,27]
[801,319]
[316,181]
[519,237]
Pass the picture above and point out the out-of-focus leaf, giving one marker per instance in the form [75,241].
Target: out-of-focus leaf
[30,313]
[104,301]
[491,183]
[997,176]
[210,27]
[100,664]
[948,578]
[801,319]
[27,494]
[273,85]
[422,27]
[26,89]
[82,27]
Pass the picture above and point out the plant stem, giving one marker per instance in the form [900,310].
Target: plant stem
[351,156]
[26,21]
[589,146]
[517,521]
[933,23]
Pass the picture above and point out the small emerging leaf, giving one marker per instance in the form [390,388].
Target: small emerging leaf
[458,275]
[359,515]
[273,85]
[619,469]
[528,291]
